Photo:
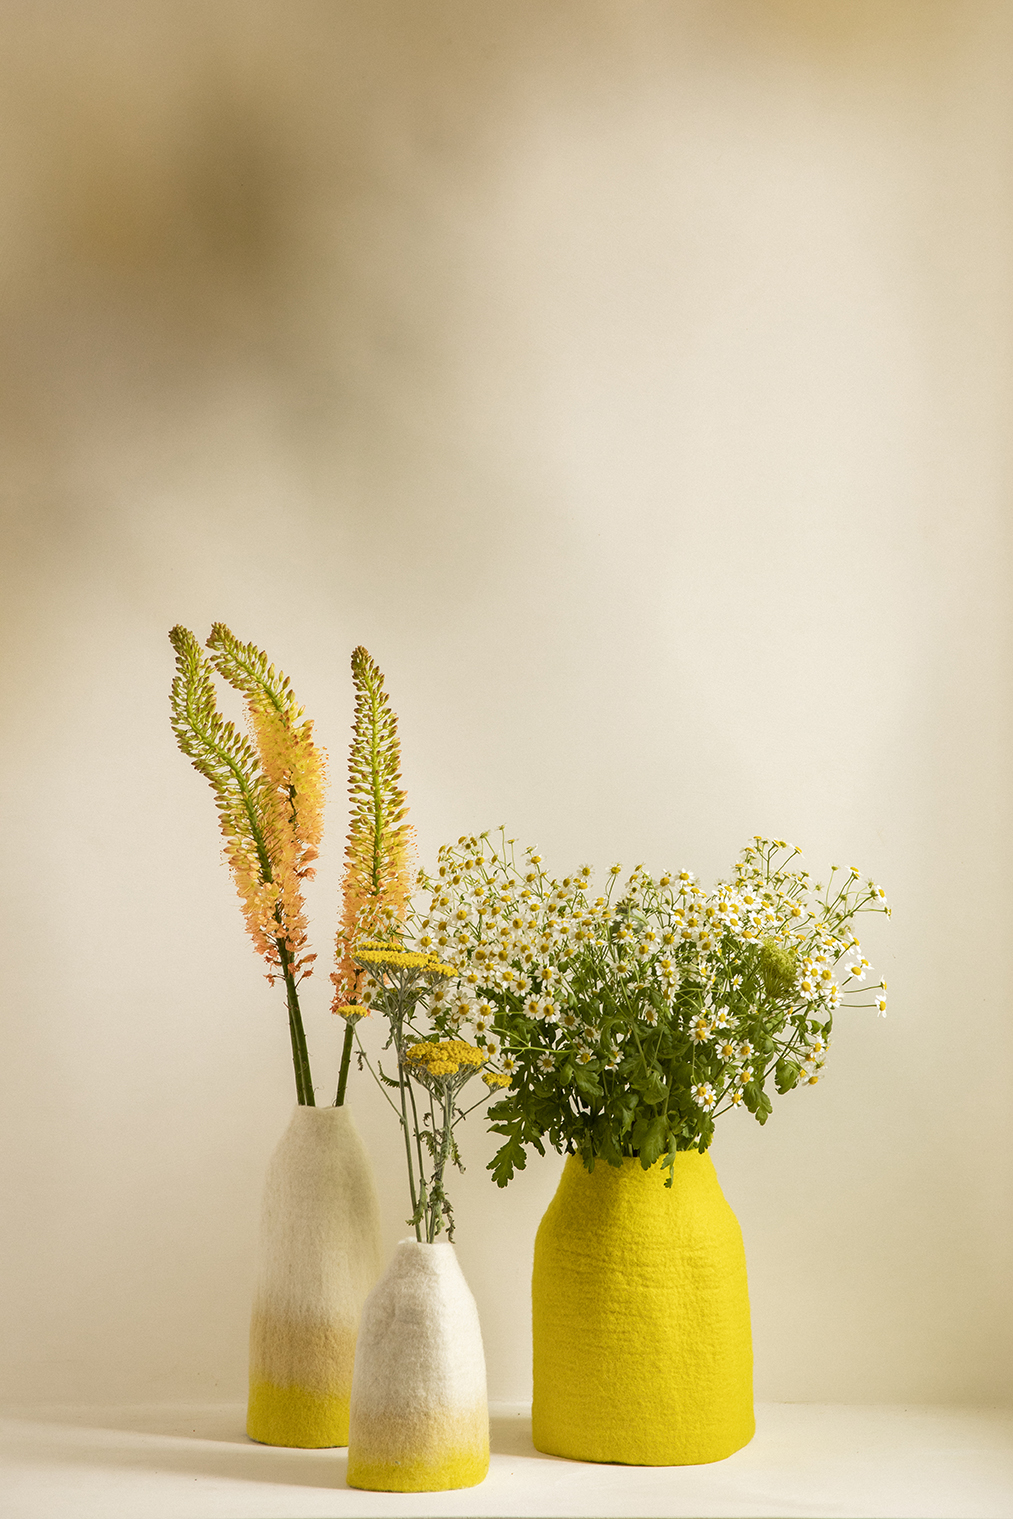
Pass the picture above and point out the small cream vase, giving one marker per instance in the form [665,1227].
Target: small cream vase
[320,1255]
[420,1415]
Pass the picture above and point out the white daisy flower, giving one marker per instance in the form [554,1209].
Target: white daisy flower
[705,1095]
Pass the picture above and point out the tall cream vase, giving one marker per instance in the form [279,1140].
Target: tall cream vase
[420,1416]
[320,1255]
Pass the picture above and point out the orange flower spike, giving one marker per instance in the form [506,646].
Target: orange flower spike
[269,797]
[377,881]
[295,771]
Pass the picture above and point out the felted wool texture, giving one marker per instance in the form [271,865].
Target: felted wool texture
[320,1255]
[420,1416]
[640,1318]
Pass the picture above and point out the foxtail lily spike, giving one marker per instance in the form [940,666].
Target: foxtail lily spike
[377,877]
[269,796]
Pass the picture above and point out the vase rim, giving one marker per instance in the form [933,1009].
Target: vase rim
[427,1244]
[304,1107]
[634,1160]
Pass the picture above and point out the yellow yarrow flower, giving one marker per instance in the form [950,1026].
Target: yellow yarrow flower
[353,1010]
[446,1057]
[391,955]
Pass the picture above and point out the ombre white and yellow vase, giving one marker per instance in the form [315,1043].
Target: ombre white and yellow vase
[420,1414]
[640,1316]
[320,1256]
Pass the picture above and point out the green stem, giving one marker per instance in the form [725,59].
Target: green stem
[408,1155]
[418,1145]
[346,1055]
[300,1054]
[402,1083]
[364,1060]
[435,1222]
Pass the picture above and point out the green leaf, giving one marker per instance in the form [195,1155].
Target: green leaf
[757,1101]
[654,1088]
[786,1075]
[585,1079]
[650,1138]
[509,1159]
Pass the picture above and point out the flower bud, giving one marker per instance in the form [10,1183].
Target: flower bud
[777,968]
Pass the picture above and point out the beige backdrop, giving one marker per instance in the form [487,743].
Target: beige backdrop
[633,379]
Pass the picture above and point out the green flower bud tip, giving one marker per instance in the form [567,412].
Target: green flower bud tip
[777,967]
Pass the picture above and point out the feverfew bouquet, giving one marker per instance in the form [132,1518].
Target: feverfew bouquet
[627,1022]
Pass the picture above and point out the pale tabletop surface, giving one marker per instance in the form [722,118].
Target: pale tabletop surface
[806,1460]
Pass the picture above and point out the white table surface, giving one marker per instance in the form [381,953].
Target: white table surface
[806,1460]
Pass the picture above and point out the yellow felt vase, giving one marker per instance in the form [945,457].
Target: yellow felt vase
[642,1346]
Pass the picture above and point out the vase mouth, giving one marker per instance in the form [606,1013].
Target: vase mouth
[426,1244]
[631,1162]
[303,1107]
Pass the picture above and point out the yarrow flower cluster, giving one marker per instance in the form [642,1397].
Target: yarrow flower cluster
[405,985]
[444,1058]
[628,1021]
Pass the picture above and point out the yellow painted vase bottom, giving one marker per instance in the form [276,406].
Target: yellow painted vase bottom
[431,1453]
[640,1315]
[296,1416]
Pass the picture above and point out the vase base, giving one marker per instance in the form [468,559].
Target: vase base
[620,1446]
[297,1417]
[465,1470]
